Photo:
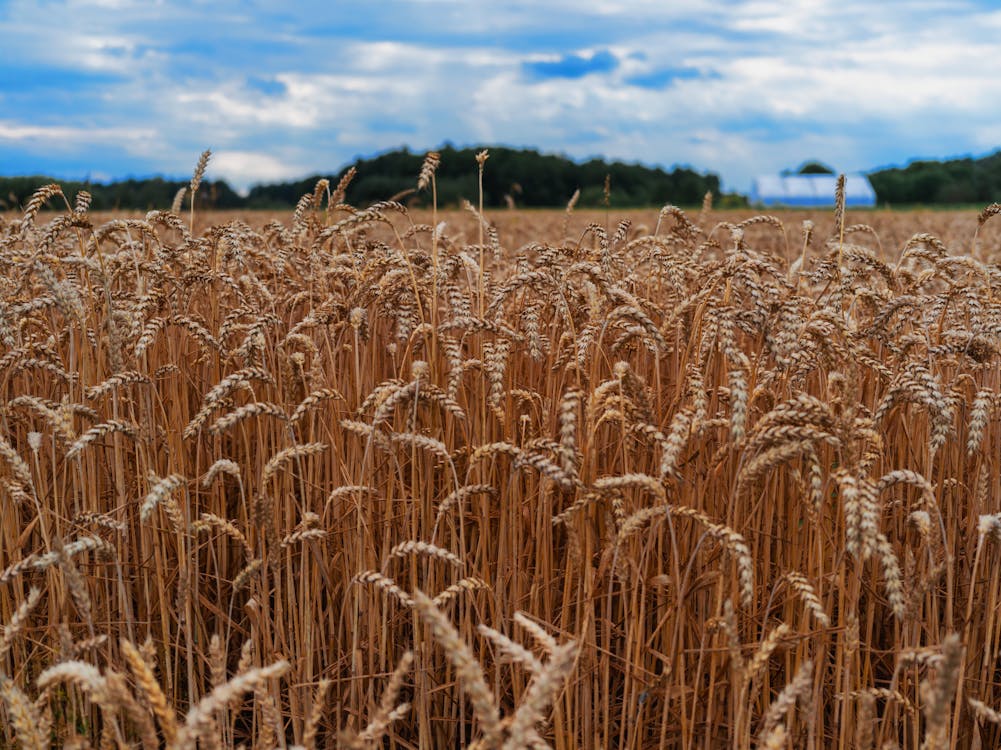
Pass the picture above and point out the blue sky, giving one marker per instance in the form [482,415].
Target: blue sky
[279,90]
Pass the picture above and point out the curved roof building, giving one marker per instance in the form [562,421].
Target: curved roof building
[811,191]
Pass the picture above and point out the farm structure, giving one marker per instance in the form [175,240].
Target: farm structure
[811,191]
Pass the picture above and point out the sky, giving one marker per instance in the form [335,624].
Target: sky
[104,89]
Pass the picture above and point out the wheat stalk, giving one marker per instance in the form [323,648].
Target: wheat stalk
[24,717]
[468,670]
[199,719]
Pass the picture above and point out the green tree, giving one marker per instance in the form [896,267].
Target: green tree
[534,179]
[814,167]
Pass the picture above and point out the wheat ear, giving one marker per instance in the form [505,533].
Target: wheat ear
[468,670]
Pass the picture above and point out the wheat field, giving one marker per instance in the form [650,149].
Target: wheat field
[374,478]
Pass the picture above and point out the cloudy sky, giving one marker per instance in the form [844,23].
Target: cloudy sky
[109,88]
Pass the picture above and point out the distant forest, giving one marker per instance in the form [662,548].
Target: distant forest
[957,181]
[523,177]
[526,177]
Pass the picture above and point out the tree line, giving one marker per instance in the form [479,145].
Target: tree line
[521,177]
[129,194]
[956,181]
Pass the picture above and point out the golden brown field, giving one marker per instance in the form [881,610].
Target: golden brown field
[531,479]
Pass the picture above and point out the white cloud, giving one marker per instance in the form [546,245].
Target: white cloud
[244,168]
[855,83]
[54,135]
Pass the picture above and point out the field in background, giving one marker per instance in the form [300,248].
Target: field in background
[522,226]
[339,480]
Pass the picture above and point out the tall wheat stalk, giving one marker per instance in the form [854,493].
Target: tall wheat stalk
[352,480]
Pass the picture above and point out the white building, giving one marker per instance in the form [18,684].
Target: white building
[811,191]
